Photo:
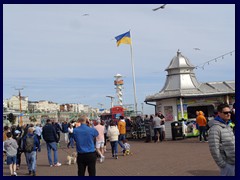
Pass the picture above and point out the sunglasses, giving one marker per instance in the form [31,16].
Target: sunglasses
[227,112]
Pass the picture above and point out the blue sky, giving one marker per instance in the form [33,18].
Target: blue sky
[57,54]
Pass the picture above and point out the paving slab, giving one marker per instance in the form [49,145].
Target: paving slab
[184,157]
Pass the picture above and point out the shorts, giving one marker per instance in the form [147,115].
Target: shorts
[11,160]
[99,144]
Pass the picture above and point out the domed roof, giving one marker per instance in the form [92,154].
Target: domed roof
[182,82]
[180,74]
[179,61]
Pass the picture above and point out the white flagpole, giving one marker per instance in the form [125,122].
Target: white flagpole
[134,83]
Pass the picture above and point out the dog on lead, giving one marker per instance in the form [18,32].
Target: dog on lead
[72,158]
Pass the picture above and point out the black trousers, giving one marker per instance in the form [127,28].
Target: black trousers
[85,160]
[202,132]
[58,137]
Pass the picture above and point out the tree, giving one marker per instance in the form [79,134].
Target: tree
[32,119]
[11,118]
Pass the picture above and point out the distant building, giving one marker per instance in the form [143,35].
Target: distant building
[72,107]
[14,103]
[47,106]
[33,106]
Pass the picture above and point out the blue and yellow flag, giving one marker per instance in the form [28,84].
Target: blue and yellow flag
[124,38]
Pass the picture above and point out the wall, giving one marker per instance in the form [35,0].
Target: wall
[169,109]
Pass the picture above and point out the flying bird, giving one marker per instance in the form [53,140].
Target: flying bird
[85,15]
[161,7]
[197,49]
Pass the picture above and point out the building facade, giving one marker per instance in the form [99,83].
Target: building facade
[182,94]
[14,103]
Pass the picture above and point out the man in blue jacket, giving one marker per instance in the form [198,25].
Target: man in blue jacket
[87,156]
[50,136]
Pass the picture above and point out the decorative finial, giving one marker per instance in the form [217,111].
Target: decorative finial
[178,52]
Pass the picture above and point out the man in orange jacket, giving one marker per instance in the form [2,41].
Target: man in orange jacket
[122,132]
[202,122]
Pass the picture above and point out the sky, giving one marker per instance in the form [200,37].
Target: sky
[68,54]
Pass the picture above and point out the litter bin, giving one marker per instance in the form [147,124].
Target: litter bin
[148,129]
[177,131]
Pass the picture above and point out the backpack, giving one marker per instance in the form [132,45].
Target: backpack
[29,144]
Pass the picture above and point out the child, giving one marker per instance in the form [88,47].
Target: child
[11,146]
[126,147]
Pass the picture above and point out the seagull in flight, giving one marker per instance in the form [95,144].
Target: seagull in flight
[197,49]
[161,7]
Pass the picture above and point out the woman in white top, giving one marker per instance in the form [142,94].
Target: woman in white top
[112,134]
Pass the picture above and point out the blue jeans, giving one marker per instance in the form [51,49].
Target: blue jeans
[31,160]
[71,142]
[52,146]
[159,130]
[228,170]
[121,137]
[202,132]
[114,145]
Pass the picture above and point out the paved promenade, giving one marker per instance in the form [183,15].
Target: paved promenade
[187,157]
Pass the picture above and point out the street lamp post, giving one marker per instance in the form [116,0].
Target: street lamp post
[111,100]
[20,106]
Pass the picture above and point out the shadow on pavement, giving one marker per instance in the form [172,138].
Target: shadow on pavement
[204,172]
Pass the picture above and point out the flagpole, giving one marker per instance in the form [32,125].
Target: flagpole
[134,83]
[126,39]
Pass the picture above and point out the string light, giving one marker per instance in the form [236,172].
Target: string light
[201,66]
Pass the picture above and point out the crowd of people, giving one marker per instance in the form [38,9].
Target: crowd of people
[21,140]
[90,139]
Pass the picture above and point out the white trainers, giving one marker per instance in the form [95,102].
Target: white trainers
[58,164]
[102,159]
[14,173]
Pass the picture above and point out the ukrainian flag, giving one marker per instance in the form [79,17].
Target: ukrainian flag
[124,38]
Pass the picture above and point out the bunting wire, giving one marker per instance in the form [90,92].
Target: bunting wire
[201,66]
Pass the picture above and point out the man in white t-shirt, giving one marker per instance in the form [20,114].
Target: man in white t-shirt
[157,128]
